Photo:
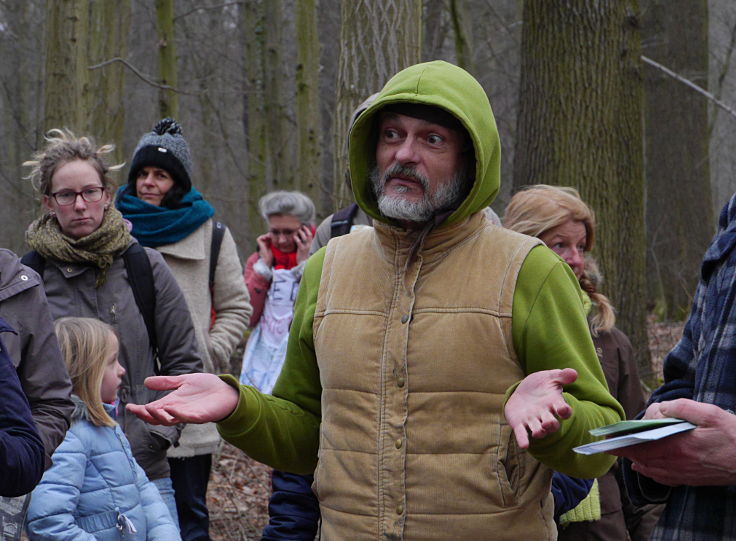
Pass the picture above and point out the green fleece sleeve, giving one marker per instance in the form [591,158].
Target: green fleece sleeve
[283,430]
[550,330]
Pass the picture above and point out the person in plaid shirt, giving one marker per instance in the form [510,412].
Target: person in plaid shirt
[694,473]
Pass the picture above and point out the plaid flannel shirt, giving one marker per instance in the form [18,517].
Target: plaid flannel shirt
[702,367]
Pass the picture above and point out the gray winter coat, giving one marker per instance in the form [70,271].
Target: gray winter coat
[71,291]
[34,350]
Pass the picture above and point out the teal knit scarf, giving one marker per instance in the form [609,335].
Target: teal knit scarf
[156,226]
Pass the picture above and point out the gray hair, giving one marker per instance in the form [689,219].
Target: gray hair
[290,203]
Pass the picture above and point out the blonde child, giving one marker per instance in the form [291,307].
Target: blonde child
[95,490]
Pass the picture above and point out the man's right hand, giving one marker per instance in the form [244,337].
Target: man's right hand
[196,398]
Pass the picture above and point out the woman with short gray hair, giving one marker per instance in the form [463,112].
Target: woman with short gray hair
[272,275]
[294,204]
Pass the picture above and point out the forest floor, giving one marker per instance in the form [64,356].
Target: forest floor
[240,487]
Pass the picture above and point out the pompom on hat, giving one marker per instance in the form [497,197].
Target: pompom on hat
[164,147]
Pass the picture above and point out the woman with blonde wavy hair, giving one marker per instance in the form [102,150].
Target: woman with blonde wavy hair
[561,219]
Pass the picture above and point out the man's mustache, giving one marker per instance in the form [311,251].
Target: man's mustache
[408,173]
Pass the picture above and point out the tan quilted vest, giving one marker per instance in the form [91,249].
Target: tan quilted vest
[414,363]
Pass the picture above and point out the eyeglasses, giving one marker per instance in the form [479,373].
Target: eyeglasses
[282,232]
[69,197]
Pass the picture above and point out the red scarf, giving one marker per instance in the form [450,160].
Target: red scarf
[283,260]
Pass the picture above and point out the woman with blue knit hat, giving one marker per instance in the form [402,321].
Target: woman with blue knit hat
[169,214]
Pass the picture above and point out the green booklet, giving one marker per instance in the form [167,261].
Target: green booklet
[628,427]
[625,433]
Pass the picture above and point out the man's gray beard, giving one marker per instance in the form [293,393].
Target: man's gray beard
[448,195]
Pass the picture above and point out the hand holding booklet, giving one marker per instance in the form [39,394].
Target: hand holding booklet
[625,433]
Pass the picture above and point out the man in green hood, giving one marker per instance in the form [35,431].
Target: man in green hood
[410,339]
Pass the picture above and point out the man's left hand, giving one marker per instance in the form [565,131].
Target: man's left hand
[700,457]
[537,404]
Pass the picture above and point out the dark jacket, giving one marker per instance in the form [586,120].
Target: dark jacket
[21,449]
[293,509]
[617,514]
[568,492]
[701,367]
[71,291]
[34,350]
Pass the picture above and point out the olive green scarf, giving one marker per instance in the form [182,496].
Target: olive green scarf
[98,249]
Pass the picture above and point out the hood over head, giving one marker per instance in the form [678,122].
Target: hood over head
[439,84]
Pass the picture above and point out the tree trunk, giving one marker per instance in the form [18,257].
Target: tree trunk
[435,29]
[281,171]
[378,39]
[67,76]
[580,124]
[255,126]
[308,122]
[168,99]
[20,127]
[679,209]
[463,29]
[109,30]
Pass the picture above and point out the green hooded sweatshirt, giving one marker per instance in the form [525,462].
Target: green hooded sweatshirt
[549,326]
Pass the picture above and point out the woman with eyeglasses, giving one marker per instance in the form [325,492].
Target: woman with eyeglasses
[90,265]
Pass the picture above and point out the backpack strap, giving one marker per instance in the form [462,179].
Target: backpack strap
[342,220]
[35,261]
[218,232]
[140,276]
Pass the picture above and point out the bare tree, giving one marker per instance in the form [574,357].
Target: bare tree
[254,113]
[67,60]
[463,30]
[282,170]
[308,125]
[20,114]
[103,97]
[378,38]
[677,164]
[168,98]
[580,125]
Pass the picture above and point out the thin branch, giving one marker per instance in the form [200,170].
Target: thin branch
[690,84]
[141,76]
[218,6]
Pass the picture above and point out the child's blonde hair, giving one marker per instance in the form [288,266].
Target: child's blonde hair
[86,344]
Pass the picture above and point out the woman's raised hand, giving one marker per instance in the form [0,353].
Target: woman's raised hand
[264,249]
[303,239]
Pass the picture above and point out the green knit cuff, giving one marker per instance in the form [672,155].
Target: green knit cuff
[587,510]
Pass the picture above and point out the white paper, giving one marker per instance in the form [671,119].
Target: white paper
[633,439]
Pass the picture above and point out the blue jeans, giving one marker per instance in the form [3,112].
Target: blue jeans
[166,490]
[190,476]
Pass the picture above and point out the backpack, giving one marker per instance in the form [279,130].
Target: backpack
[140,276]
[342,220]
